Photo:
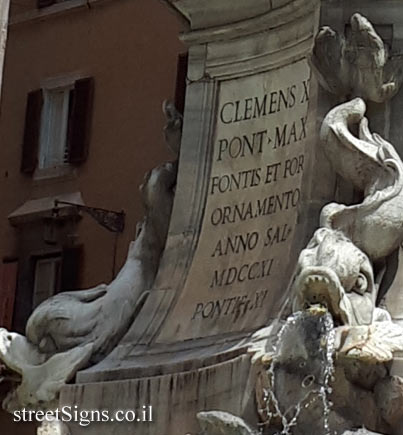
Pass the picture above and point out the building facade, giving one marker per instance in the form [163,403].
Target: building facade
[81,122]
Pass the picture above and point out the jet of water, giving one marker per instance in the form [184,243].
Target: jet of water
[325,351]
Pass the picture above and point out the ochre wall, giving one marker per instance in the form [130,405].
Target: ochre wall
[130,47]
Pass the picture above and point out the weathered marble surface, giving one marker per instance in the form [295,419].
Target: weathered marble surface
[42,377]
[223,423]
[373,167]
[102,315]
[357,65]
[312,375]
[173,127]
[344,263]
[297,377]
[246,243]
[332,271]
[168,357]
[389,394]
[75,329]
[246,150]
[361,432]
[226,386]
[341,270]
[53,428]
[234,238]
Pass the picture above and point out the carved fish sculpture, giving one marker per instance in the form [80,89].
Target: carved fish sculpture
[333,272]
[356,65]
[73,329]
[373,167]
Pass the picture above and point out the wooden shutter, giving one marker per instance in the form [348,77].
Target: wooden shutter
[71,266]
[8,286]
[181,76]
[45,3]
[80,121]
[32,131]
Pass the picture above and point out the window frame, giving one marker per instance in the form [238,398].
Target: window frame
[45,130]
[76,122]
[52,257]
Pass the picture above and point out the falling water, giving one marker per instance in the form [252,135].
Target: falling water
[326,349]
[325,389]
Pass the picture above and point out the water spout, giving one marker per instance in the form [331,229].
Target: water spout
[303,361]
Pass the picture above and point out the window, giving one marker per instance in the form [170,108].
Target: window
[53,130]
[46,278]
[57,126]
[56,272]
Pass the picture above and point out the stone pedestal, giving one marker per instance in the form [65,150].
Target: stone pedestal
[236,230]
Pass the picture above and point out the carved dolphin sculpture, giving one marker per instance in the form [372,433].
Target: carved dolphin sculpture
[373,167]
[41,377]
[70,330]
[357,65]
[103,314]
[360,160]
[333,272]
[75,329]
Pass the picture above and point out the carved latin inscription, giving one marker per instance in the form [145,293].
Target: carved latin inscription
[258,157]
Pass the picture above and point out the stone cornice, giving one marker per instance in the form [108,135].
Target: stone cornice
[215,20]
